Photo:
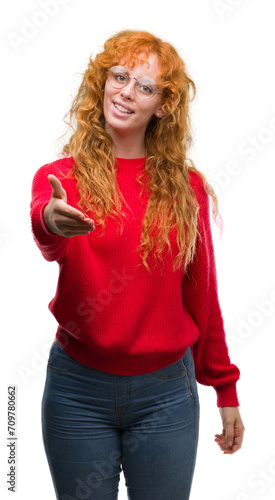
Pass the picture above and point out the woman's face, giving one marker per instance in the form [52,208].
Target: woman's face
[125,112]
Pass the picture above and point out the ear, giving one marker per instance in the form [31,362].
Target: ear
[160,112]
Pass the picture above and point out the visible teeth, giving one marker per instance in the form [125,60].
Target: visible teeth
[121,108]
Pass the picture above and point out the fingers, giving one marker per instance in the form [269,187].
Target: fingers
[68,232]
[67,213]
[70,227]
[220,439]
[221,442]
[235,447]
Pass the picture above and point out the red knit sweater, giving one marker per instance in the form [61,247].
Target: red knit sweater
[116,317]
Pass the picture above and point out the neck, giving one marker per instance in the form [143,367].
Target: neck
[127,145]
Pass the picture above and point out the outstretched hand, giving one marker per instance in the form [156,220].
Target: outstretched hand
[61,218]
[231,438]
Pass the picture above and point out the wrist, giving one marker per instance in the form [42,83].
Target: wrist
[46,219]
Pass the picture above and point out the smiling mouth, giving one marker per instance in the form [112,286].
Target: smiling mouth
[122,109]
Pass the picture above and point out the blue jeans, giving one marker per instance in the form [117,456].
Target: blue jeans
[96,424]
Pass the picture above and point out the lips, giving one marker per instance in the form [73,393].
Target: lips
[122,108]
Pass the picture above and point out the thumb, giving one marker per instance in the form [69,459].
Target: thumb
[229,434]
[57,190]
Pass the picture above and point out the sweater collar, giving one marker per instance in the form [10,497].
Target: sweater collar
[130,163]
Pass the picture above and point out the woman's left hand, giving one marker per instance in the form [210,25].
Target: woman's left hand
[231,438]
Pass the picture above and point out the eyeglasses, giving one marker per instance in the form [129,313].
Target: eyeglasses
[118,77]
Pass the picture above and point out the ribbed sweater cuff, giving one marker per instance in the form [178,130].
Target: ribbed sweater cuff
[227,395]
[41,232]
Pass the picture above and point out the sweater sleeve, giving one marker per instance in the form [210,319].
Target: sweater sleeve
[52,246]
[200,299]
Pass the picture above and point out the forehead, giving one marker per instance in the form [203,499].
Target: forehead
[142,65]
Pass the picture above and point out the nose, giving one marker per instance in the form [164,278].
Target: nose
[128,92]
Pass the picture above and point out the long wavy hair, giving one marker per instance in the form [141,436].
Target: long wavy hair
[172,202]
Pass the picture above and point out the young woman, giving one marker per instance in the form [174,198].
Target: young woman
[139,321]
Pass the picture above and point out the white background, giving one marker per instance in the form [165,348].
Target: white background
[229,50]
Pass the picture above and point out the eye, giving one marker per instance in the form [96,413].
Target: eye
[146,86]
[145,89]
[119,77]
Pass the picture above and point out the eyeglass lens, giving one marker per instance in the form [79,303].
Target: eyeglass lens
[119,78]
